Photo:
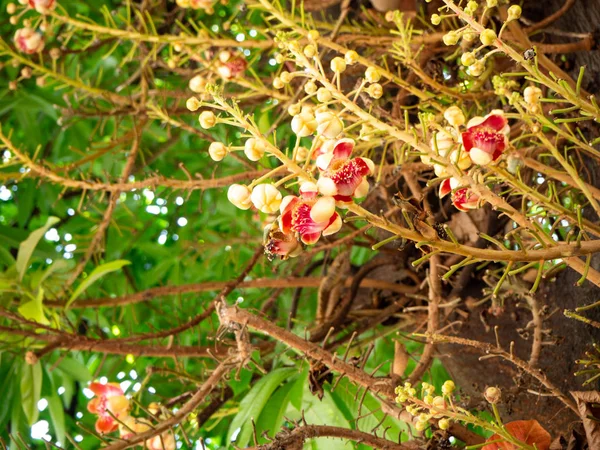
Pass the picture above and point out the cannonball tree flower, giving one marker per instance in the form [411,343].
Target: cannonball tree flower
[109,403]
[131,426]
[486,137]
[42,6]
[239,195]
[309,215]
[343,177]
[254,149]
[463,198]
[266,198]
[29,41]
[277,243]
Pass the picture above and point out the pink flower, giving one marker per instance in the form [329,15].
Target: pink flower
[486,137]
[462,198]
[308,216]
[108,404]
[42,6]
[28,40]
[343,177]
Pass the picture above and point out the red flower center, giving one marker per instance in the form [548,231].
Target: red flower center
[488,137]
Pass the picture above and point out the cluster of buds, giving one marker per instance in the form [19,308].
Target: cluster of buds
[482,142]
[206,5]
[488,37]
[112,408]
[27,40]
[428,406]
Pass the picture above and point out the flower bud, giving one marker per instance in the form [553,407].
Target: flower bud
[301,154]
[294,109]
[217,151]
[239,195]
[279,58]
[266,198]
[11,8]
[26,72]
[309,51]
[285,77]
[472,6]
[469,36]
[468,59]
[488,36]
[491,3]
[532,95]
[254,149]
[304,124]
[477,68]
[323,95]
[192,104]
[448,387]
[310,87]
[372,75]
[42,6]
[54,53]
[450,38]
[444,424]
[314,35]
[492,395]
[514,12]
[375,91]
[197,84]
[421,426]
[351,57]
[338,65]
[329,125]
[436,19]
[29,41]
[207,119]
[454,116]
[277,83]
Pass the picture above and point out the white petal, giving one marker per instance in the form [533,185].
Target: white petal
[334,227]
[323,209]
[324,160]
[480,157]
[285,202]
[363,189]
[327,186]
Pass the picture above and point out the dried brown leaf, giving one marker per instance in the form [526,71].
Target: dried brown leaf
[588,404]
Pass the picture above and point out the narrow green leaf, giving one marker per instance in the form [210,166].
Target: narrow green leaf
[97,273]
[27,247]
[31,389]
[271,417]
[57,414]
[253,403]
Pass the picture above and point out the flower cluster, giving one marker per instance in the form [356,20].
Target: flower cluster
[483,141]
[430,406]
[112,408]
[206,5]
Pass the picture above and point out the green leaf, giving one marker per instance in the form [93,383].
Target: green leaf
[97,273]
[28,246]
[34,309]
[39,277]
[254,402]
[31,389]
[271,417]
[75,369]
[57,414]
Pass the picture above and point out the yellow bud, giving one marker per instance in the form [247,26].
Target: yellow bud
[372,75]
[468,59]
[375,91]
[192,104]
[207,119]
[338,64]
[444,424]
[351,57]
[310,88]
[487,36]
[436,19]
[285,77]
[277,83]
[514,12]
[313,35]
[323,95]
[310,51]
[450,38]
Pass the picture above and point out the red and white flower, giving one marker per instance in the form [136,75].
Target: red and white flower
[343,177]
[29,41]
[109,403]
[462,198]
[42,6]
[307,216]
[486,137]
